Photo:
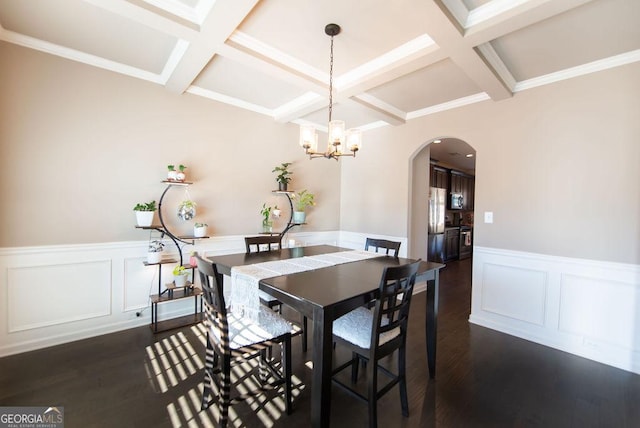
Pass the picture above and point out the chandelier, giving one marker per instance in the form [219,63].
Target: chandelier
[338,138]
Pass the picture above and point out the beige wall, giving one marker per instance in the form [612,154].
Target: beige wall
[80,146]
[557,165]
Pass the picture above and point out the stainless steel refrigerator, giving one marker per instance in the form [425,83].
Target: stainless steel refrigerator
[437,207]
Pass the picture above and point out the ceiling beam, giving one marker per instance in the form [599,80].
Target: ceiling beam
[222,21]
[443,27]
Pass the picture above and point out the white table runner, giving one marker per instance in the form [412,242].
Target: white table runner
[245,298]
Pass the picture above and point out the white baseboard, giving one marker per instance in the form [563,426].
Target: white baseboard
[584,307]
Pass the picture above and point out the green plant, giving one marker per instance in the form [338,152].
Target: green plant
[171,167]
[266,213]
[149,206]
[188,204]
[156,246]
[303,199]
[182,168]
[179,270]
[201,225]
[283,176]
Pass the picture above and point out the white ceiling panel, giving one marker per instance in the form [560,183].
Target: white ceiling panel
[233,79]
[594,31]
[80,26]
[369,28]
[436,84]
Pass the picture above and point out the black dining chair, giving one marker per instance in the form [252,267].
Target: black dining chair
[383,244]
[257,244]
[374,334]
[231,338]
[263,243]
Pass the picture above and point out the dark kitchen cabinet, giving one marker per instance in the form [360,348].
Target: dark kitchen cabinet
[439,177]
[451,243]
[465,185]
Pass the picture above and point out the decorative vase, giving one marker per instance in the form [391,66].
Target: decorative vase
[180,280]
[299,217]
[267,226]
[186,210]
[144,218]
[154,258]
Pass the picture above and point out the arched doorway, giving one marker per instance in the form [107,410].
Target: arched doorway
[450,154]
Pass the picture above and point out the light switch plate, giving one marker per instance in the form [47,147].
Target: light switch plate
[488,216]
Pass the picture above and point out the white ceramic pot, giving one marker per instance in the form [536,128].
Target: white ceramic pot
[180,280]
[172,175]
[153,258]
[144,218]
[200,232]
[299,217]
[180,176]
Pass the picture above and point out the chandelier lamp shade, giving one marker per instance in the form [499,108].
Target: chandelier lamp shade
[340,142]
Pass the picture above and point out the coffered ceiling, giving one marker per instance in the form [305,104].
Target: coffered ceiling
[395,60]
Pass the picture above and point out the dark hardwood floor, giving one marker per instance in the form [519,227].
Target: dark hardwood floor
[484,379]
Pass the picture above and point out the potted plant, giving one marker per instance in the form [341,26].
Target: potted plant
[171,173]
[267,224]
[180,274]
[302,200]
[154,253]
[284,176]
[144,213]
[200,230]
[180,176]
[187,210]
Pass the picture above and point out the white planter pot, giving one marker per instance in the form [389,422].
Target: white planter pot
[299,217]
[144,218]
[153,258]
[171,175]
[180,176]
[180,280]
[200,232]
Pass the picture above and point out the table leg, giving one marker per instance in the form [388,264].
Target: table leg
[432,323]
[322,365]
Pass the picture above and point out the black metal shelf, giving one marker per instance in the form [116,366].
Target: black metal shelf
[172,293]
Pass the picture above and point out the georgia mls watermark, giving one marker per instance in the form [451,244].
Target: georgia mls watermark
[31,417]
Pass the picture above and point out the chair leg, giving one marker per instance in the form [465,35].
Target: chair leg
[262,364]
[210,362]
[402,383]
[225,393]
[304,333]
[286,367]
[372,392]
[355,363]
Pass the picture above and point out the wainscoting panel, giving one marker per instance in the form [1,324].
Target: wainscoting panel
[40,296]
[585,307]
[600,310]
[514,292]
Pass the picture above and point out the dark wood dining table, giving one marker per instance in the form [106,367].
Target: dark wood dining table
[327,293]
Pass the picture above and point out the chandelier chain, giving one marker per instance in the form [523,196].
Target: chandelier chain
[331,81]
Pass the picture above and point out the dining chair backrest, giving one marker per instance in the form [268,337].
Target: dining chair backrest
[383,244]
[215,308]
[392,307]
[257,244]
